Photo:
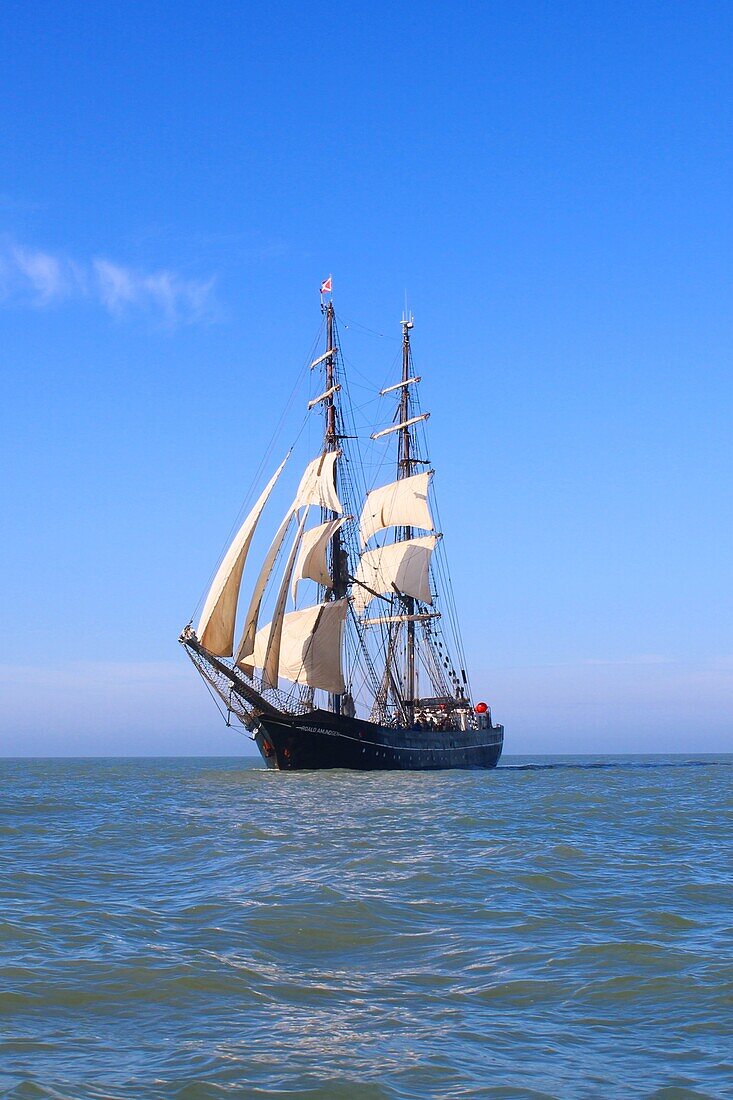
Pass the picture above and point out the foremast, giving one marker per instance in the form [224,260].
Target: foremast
[405,468]
[339,573]
[304,646]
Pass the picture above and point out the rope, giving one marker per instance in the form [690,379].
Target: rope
[263,464]
[364,649]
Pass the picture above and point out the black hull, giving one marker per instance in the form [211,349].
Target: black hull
[323,740]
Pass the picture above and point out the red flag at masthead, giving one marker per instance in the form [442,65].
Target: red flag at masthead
[326,285]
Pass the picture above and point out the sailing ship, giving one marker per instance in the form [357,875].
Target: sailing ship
[369,671]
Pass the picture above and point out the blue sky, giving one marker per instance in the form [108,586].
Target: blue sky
[551,184]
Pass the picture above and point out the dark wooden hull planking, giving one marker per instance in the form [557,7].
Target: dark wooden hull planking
[323,740]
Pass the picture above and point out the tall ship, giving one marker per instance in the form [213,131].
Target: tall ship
[349,652]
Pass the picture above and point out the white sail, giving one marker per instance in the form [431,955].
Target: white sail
[216,625]
[402,503]
[317,486]
[311,564]
[270,669]
[310,646]
[401,565]
[253,611]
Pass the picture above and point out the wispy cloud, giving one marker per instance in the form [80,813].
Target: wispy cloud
[176,299]
[36,278]
[44,277]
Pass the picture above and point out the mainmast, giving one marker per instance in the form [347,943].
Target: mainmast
[405,467]
[331,443]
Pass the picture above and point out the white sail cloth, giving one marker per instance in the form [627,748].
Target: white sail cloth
[253,611]
[216,625]
[401,565]
[402,503]
[272,657]
[317,485]
[311,564]
[310,646]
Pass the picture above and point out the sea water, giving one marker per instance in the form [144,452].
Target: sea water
[207,928]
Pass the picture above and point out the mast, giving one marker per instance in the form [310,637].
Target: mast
[330,408]
[405,466]
[331,443]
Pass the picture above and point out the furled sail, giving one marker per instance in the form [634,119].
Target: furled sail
[401,565]
[317,486]
[311,563]
[402,503]
[216,626]
[310,646]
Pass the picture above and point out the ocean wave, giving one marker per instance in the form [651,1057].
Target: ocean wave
[198,928]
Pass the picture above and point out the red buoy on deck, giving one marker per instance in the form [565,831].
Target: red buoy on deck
[481,708]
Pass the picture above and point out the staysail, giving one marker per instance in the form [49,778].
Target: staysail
[316,487]
[216,626]
[255,603]
[271,666]
[302,646]
[310,646]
